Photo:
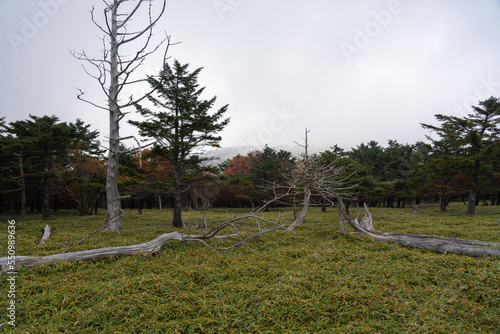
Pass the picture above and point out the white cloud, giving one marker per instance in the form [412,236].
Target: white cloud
[266,56]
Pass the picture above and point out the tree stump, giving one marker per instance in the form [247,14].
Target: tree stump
[46,233]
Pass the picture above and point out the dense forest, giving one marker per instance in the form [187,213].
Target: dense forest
[47,164]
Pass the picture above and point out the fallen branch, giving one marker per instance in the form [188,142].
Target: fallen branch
[88,236]
[364,225]
[146,248]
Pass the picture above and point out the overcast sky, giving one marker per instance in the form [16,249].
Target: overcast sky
[350,71]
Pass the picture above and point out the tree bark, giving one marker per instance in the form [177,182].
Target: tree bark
[46,190]
[159,202]
[443,200]
[177,220]
[471,205]
[23,189]
[434,243]
[113,198]
[303,213]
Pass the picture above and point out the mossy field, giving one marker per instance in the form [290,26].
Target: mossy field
[312,280]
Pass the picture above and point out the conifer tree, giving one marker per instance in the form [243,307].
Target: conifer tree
[45,142]
[474,138]
[181,124]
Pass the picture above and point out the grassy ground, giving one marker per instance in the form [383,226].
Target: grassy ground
[314,280]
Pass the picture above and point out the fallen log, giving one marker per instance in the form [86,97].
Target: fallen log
[364,225]
[150,247]
[9,265]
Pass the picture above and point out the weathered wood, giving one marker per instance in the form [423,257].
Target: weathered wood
[434,243]
[115,71]
[92,254]
[146,248]
[303,213]
[46,233]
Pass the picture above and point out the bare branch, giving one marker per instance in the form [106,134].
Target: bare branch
[124,22]
[107,32]
[79,96]
[149,27]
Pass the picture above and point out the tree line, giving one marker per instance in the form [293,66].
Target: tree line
[48,165]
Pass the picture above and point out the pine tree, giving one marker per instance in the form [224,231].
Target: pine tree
[474,138]
[181,125]
[45,143]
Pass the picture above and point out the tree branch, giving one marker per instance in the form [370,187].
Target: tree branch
[146,248]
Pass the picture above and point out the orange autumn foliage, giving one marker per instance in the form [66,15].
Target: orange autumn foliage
[238,166]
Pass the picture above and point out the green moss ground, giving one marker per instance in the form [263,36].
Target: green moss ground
[313,280]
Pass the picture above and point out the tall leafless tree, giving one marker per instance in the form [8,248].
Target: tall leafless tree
[125,49]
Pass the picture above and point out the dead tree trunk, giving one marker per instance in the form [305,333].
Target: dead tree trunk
[364,225]
[113,198]
[303,213]
[151,247]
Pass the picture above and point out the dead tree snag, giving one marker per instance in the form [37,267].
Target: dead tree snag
[364,225]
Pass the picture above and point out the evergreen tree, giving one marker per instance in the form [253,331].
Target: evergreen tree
[473,138]
[266,167]
[181,124]
[9,168]
[45,143]
[270,165]
[371,159]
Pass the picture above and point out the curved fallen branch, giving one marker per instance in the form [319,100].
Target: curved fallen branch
[8,266]
[445,245]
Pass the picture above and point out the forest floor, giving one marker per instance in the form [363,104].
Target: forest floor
[312,280]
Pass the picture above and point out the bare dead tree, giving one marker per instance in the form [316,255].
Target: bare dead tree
[364,225]
[124,51]
[312,179]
